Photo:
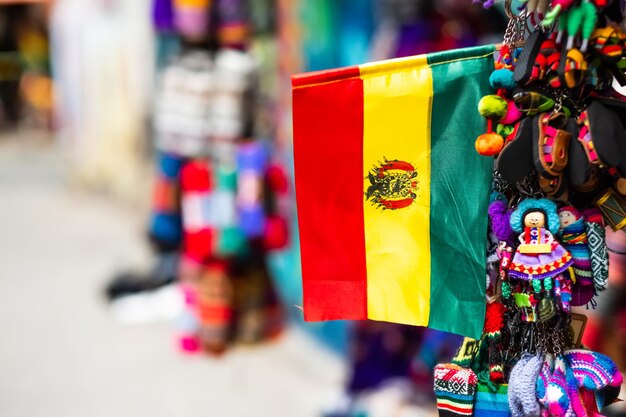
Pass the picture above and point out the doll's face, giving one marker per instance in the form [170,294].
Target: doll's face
[535,219]
[566,218]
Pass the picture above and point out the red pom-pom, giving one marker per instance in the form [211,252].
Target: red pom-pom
[276,234]
[277,179]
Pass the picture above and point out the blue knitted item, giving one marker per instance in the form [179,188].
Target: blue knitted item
[165,221]
[491,403]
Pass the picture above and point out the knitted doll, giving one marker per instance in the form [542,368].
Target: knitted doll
[574,238]
[538,264]
[539,255]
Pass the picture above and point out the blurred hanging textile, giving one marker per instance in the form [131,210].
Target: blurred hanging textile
[26,89]
[216,208]
[101,57]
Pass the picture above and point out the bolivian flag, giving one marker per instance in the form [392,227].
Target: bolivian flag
[392,197]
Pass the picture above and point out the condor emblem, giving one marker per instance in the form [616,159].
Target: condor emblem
[392,185]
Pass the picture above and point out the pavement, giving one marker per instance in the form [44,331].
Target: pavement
[61,352]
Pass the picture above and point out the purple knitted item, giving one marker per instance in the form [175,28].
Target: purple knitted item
[500,220]
[486,3]
[582,294]
[192,22]
[163,15]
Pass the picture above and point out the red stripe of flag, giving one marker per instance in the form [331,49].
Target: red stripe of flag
[328,154]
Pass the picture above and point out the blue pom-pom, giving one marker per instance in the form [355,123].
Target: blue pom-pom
[166,227]
[502,78]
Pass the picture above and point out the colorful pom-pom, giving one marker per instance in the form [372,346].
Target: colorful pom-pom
[502,78]
[492,107]
[512,116]
[489,144]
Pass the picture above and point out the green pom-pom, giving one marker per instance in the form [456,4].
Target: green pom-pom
[536,285]
[226,179]
[231,241]
[492,107]
[504,130]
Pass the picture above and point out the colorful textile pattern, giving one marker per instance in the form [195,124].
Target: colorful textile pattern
[593,370]
[596,238]
[455,388]
[540,266]
[491,403]
[379,224]
[575,240]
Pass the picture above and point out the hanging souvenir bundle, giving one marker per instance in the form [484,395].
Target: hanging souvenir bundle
[217,196]
[555,127]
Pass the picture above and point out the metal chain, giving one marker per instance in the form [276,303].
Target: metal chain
[517,25]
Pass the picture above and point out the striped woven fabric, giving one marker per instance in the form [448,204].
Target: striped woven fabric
[491,403]
[455,388]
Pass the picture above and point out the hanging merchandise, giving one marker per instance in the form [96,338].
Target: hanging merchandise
[555,127]
[228,182]
[404,228]
[217,210]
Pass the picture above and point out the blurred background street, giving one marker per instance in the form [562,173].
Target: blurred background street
[61,352]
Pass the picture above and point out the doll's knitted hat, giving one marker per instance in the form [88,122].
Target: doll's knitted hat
[455,388]
[572,210]
[531,204]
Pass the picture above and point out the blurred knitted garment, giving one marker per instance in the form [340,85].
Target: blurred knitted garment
[191,18]
[184,102]
[163,15]
[232,23]
[165,222]
[197,185]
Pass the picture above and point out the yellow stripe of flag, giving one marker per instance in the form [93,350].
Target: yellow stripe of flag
[397,242]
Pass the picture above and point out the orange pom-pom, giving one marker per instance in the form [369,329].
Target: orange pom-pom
[489,144]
